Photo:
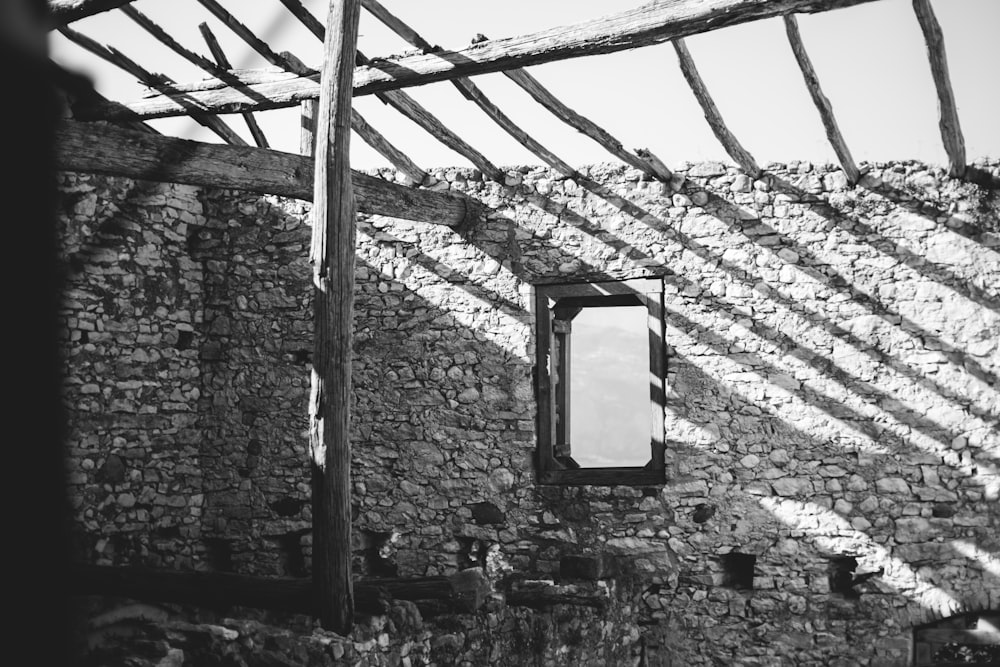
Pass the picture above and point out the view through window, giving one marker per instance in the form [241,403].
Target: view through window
[610,417]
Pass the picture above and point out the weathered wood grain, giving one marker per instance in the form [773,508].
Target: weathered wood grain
[405,104]
[585,126]
[332,256]
[728,140]
[115,151]
[653,23]
[823,105]
[63,12]
[951,129]
[223,62]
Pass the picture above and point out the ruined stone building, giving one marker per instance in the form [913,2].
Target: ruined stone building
[815,483]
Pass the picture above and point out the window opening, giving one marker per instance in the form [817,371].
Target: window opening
[609,421]
[600,361]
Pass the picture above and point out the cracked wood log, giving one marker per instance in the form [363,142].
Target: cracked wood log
[728,140]
[62,12]
[332,255]
[951,129]
[115,151]
[653,23]
[823,105]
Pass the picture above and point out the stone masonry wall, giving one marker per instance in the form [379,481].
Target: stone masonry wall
[832,394]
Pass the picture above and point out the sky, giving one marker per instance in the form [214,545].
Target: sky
[871,61]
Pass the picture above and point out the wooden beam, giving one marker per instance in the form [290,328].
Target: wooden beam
[533,88]
[117,152]
[375,139]
[305,17]
[222,61]
[157,81]
[430,123]
[473,93]
[218,68]
[63,12]
[463,591]
[951,130]
[654,168]
[406,105]
[251,39]
[213,589]
[736,151]
[162,36]
[332,256]
[820,100]
[653,23]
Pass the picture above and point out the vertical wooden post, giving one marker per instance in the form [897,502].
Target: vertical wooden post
[307,133]
[332,256]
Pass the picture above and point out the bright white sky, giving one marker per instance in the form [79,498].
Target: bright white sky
[871,61]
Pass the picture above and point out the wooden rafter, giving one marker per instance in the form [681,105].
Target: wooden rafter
[473,93]
[587,127]
[405,104]
[654,23]
[156,81]
[540,94]
[291,64]
[951,130]
[733,147]
[820,100]
[252,40]
[217,68]
[63,12]
[332,256]
[99,149]
[222,61]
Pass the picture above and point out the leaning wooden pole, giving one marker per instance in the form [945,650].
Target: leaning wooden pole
[332,257]
[821,101]
[728,140]
[951,130]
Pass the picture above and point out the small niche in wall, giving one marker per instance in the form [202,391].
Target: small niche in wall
[737,570]
[219,554]
[184,339]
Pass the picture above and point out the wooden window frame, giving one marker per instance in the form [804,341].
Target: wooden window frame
[555,306]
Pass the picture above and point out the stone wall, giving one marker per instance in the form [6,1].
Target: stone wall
[832,395]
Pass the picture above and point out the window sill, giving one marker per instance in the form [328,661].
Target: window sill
[604,477]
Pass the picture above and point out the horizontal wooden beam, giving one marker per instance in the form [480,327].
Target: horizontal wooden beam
[62,12]
[653,23]
[951,130]
[117,152]
[464,591]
